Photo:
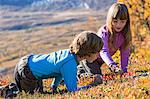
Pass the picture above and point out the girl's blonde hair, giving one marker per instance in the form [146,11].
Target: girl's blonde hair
[86,43]
[119,11]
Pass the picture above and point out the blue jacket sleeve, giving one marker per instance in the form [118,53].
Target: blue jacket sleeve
[69,73]
[56,81]
[84,87]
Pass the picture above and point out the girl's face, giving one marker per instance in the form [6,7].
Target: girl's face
[118,24]
[92,57]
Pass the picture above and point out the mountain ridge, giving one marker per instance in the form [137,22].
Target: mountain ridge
[60,5]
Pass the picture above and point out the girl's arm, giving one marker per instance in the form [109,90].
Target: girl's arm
[124,54]
[104,53]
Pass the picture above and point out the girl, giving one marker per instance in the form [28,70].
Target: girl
[116,35]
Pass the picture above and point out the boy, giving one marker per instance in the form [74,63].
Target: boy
[60,65]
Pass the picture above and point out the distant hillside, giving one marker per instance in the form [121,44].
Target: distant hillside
[57,4]
[29,14]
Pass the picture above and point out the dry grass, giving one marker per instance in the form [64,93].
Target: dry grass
[15,44]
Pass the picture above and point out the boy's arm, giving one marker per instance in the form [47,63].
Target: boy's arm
[56,82]
[69,73]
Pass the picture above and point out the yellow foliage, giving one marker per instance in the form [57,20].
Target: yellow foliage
[139,12]
[144,82]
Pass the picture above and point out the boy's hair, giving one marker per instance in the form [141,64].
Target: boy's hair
[119,11]
[86,43]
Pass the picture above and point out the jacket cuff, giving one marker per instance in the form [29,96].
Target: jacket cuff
[113,64]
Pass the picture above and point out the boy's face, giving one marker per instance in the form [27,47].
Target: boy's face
[92,57]
[118,24]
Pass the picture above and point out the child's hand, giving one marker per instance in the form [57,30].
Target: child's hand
[115,69]
[97,80]
[83,87]
[54,89]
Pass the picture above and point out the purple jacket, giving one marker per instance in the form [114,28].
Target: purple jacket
[107,52]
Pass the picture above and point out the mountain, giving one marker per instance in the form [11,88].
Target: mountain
[19,3]
[29,14]
[57,4]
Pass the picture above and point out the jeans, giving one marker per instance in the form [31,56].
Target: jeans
[24,78]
